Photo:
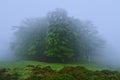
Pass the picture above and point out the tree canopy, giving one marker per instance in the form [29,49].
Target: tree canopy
[56,37]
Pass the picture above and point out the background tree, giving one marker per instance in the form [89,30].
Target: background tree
[56,37]
[29,39]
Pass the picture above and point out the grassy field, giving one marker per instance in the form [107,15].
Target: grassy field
[25,72]
[54,66]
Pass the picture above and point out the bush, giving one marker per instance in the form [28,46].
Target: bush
[80,73]
[105,75]
[7,74]
[61,77]
[66,73]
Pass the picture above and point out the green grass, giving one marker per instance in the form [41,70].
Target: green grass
[20,66]
[55,66]
[24,72]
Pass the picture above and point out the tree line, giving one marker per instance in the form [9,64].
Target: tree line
[56,37]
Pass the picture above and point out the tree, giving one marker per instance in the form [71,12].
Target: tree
[29,39]
[56,37]
[60,35]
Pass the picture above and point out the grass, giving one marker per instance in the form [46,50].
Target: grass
[20,66]
[54,66]
[19,70]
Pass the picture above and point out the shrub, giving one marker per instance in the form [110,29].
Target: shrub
[61,77]
[80,73]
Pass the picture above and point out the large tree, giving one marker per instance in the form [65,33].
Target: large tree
[60,36]
[56,37]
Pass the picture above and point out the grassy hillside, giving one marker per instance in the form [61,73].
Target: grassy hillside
[34,70]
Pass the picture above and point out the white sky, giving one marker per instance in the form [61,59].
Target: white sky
[105,14]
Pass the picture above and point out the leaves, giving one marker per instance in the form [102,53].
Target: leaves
[56,35]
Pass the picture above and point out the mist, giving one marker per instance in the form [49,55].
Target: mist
[104,14]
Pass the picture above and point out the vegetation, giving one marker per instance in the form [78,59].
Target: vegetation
[56,38]
[55,66]
[37,72]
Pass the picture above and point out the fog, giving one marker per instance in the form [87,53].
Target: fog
[104,14]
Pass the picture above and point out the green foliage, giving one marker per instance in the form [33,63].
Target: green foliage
[6,74]
[61,77]
[67,73]
[57,43]
[105,75]
[56,37]
[80,73]
[30,39]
